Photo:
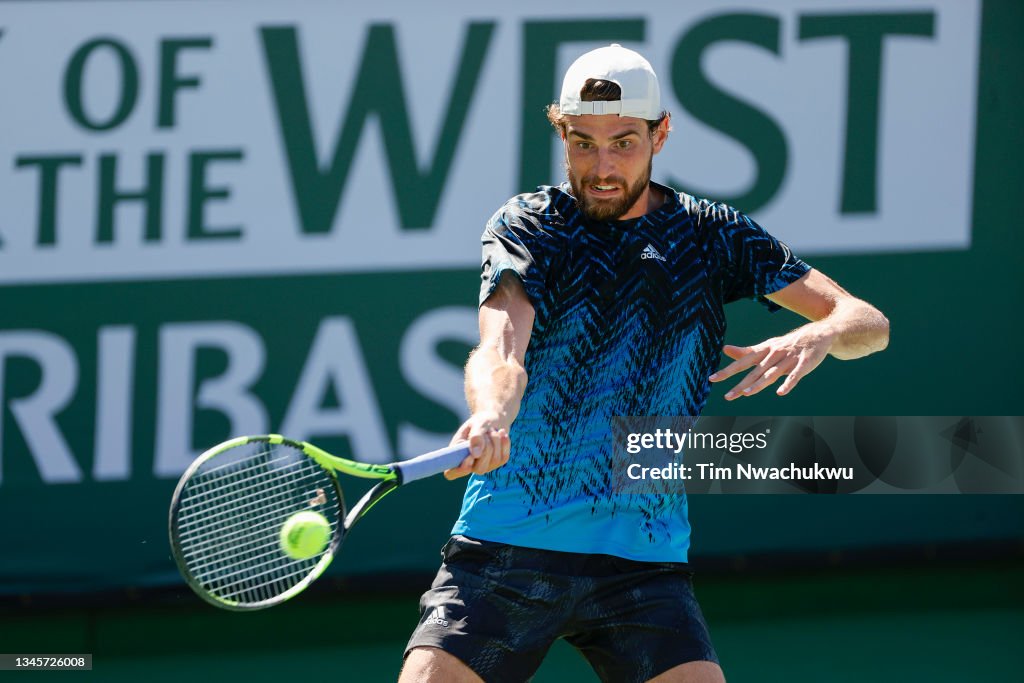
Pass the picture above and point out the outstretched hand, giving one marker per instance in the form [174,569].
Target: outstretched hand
[489,446]
[792,355]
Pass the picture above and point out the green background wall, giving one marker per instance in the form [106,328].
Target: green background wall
[918,615]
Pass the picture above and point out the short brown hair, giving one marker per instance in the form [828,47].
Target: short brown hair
[596,90]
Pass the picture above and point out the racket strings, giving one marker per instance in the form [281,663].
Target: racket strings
[245,563]
[210,560]
[260,572]
[222,502]
[231,514]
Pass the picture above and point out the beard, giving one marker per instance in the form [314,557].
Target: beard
[612,208]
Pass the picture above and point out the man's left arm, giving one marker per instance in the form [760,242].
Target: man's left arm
[841,325]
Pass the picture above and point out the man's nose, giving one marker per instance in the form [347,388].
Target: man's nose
[605,164]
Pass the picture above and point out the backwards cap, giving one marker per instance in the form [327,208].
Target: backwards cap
[641,96]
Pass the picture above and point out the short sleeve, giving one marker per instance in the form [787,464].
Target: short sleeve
[752,263]
[511,242]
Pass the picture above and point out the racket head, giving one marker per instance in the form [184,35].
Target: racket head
[227,513]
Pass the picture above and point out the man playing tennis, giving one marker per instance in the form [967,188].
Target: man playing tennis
[602,297]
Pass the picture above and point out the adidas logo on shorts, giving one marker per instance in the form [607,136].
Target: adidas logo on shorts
[437,617]
[650,252]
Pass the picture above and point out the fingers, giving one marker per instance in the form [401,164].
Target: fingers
[482,464]
[736,352]
[792,355]
[462,434]
[757,380]
[746,357]
[478,442]
[795,376]
[770,367]
[462,470]
[488,450]
[494,456]
[770,371]
[466,466]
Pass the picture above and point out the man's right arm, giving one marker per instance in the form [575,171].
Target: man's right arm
[496,377]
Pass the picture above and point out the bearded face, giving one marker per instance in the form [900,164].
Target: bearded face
[624,194]
[608,162]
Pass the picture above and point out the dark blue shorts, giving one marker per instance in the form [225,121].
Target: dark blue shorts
[498,608]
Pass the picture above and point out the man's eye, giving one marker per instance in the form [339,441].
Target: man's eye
[625,144]
[583,145]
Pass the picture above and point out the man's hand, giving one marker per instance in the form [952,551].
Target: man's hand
[489,445]
[843,326]
[793,355]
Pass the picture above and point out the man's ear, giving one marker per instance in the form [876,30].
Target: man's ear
[661,133]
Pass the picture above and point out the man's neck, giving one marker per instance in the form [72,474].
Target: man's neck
[655,198]
[651,200]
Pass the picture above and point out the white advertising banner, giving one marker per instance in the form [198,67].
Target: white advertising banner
[169,139]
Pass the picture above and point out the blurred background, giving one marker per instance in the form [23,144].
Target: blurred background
[239,217]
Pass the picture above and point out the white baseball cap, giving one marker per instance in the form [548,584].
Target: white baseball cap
[641,96]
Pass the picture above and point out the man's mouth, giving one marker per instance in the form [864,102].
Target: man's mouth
[603,189]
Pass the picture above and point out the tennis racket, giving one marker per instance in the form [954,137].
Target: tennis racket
[231,503]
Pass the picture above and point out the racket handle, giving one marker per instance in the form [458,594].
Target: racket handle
[429,464]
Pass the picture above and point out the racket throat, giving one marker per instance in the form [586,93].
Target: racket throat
[368,501]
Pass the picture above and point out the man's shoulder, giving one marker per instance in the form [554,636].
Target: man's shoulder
[706,211]
[542,211]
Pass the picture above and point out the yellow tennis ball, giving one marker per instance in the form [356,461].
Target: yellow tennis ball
[305,534]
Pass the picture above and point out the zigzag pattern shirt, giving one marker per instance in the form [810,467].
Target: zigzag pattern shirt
[629,321]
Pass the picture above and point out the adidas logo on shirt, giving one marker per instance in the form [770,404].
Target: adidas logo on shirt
[651,252]
[437,617]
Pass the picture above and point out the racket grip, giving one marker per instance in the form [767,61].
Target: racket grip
[429,464]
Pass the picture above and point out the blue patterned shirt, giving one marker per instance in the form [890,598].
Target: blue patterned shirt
[629,321]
